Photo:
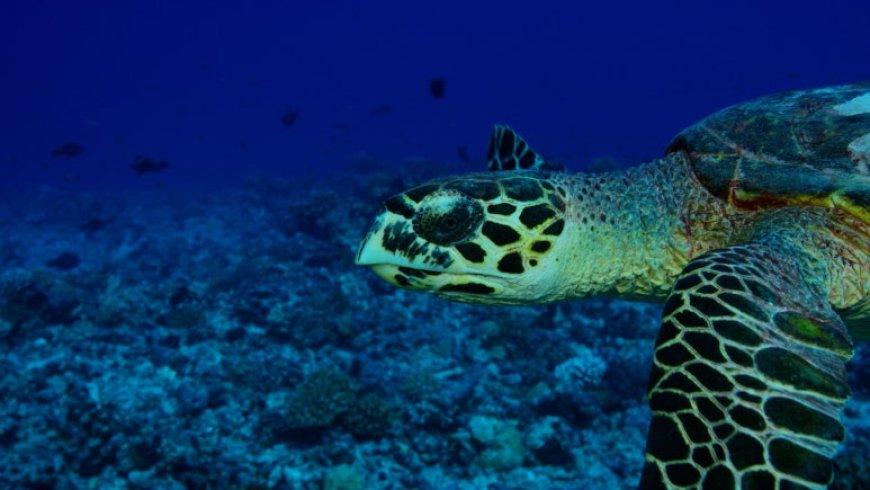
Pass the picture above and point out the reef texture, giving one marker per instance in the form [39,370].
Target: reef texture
[160,340]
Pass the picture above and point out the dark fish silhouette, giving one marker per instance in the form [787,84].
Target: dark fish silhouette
[94,225]
[436,87]
[289,118]
[144,165]
[68,150]
[64,261]
[462,153]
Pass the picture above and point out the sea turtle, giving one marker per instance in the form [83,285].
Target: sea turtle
[753,229]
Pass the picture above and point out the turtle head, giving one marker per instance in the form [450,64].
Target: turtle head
[479,238]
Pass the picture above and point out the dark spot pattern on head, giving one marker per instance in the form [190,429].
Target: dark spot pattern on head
[476,189]
[441,258]
[445,228]
[522,189]
[533,216]
[471,251]
[541,246]
[468,287]
[505,209]
[511,263]
[398,205]
[412,272]
[419,193]
[398,237]
[499,234]
[555,228]
[402,280]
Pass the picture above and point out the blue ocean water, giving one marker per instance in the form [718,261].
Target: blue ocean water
[183,185]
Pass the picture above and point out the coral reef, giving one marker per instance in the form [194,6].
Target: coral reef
[228,341]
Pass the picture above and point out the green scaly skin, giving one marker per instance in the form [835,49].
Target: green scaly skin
[624,234]
[761,303]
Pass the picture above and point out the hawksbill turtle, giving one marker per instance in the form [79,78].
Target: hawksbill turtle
[753,229]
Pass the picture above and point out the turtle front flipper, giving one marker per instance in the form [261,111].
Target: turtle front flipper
[749,376]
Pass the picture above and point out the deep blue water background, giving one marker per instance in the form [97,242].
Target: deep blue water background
[204,84]
[204,327]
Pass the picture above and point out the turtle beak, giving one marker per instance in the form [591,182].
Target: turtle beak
[370,251]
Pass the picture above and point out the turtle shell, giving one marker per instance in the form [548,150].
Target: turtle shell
[809,147]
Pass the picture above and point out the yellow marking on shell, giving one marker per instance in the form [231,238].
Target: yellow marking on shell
[746,197]
[838,199]
[842,201]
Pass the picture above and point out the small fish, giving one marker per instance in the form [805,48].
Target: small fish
[462,153]
[68,150]
[436,87]
[144,165]
[289,118]
[64,261]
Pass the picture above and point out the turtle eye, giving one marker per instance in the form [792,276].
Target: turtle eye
[447,223]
